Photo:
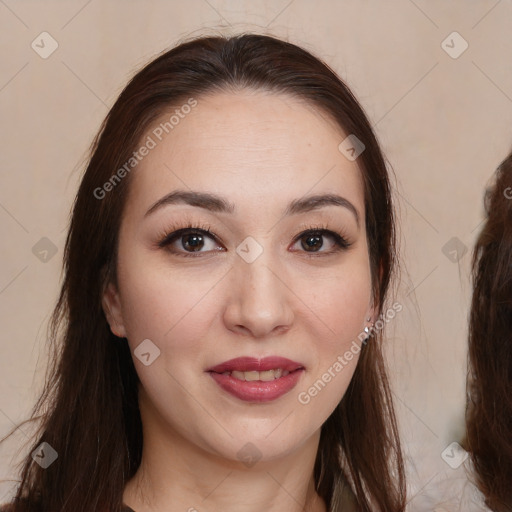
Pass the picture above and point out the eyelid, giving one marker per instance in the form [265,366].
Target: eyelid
[342,242]
[174,232]
[342,233]
[175,229]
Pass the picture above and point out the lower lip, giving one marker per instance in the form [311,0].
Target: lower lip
[257,390]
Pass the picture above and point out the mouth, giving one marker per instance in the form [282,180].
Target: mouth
[265,376]
[249,365]
[257,380]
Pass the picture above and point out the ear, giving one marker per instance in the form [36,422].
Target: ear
[373,309]
[113,311]
[371,314]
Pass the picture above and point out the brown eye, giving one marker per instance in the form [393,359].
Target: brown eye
[194,241]
[190,241]
[312,241]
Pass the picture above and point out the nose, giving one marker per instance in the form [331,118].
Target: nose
[260,302]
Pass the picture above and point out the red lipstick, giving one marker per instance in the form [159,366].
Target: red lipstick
[284,378]
[248,364]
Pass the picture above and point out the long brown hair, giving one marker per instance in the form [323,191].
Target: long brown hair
[92,418]
[489,384]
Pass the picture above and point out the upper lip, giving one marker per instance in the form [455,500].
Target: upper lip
[248,364]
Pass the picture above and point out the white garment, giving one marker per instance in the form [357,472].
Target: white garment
[449,490]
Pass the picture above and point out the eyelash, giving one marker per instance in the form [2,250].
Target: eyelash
[174,233]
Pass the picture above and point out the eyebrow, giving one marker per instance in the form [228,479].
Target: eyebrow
[215,203]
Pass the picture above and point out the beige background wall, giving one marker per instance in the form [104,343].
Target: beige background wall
[445,124]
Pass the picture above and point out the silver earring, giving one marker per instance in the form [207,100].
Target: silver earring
[367,329]
[367,332]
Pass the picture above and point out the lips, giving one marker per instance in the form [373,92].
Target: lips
[251,379]
[248,364]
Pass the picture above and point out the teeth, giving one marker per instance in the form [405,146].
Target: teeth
[265,376]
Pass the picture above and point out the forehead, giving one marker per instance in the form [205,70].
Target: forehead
[249,145]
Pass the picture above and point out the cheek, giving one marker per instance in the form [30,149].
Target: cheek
[340,299]
[170,306]
[338,303]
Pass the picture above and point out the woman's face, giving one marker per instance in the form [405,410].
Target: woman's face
[258,286]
